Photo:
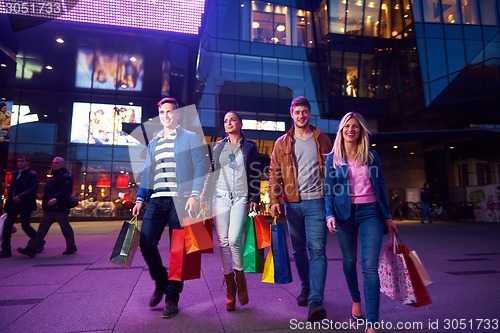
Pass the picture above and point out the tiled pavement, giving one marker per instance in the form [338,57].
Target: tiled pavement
[86,293]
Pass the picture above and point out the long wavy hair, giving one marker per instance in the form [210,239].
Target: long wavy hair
[363,149]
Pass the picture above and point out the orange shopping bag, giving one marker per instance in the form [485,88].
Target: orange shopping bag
[196,235]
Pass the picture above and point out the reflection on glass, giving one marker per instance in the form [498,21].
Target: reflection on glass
[269,23]
[451,11]
[431,11]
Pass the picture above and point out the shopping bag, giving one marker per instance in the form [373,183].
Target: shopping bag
[394,276]
[183,266]
[420,268]
[262,232]
[208,222]
[422,296]
[282,270]
[253,258]
[196,235]
[268,274]
[127,243]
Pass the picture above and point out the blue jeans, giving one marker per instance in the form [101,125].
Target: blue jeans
[308,232]
[426,211]
[230,216]
[367,221]
[160,212]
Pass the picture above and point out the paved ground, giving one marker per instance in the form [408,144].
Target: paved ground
[87,293]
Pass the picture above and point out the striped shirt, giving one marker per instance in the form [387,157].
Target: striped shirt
[165,181]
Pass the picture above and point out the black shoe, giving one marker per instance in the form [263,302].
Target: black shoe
[316,312]
[5,254]
[27,251]
[302,298]
[41,248]
[171,309]
[156,297]
[70,251]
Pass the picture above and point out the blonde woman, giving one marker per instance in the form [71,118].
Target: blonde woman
[357,206]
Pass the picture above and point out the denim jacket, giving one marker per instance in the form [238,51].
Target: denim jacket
[252,168]
[337,198]
[191,165]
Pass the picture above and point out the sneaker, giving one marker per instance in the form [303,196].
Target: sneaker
[70,251]
[5,254]
[302,298]
[156,297]
[27,251]
[316,312]
[171,309]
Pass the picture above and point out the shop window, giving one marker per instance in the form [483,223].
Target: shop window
[351,80]
[269,23]
[431,11]
[451,11]
[371,21]
[470,12]
[305,34]
[483,174]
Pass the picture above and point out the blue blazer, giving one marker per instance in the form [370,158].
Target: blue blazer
[337,198]
[191,165]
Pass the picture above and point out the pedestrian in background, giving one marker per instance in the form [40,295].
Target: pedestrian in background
[21,200]
[55,205]
[425,198]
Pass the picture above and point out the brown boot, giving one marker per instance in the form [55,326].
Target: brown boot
[231,292]
[242,287]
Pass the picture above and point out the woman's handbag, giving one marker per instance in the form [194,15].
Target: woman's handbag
[127,243]
[183,266]
[253,258]
[196,235]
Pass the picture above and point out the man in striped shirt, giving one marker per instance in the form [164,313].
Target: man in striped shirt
[173,176]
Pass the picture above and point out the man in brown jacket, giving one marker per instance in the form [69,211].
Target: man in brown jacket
[297,174]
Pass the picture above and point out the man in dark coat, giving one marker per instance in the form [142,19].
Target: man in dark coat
[55,207]
[21,200]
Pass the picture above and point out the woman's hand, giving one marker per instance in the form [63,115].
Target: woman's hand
[254,206]
[391,227]
[330,223]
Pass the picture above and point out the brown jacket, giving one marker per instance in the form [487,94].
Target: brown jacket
[283,171]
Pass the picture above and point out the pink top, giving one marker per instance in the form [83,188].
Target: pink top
[360,185]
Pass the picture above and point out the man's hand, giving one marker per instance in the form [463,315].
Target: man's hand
[330,223]
[137,208]
[191,205]
[275,210]
[254,206]
[51,202]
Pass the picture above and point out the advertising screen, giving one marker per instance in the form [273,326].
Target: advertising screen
[102,124]
[108,70]
[172,15]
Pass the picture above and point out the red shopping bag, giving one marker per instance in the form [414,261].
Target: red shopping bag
[183,266]
[262,232]
[196,235]
[421,294]
[209,222]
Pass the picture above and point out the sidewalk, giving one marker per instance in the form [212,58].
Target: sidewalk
[86,293]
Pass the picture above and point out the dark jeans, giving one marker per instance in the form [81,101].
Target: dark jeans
[160,213]
[48,218]
[9,222]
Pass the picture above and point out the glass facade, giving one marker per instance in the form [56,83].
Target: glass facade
[414,68]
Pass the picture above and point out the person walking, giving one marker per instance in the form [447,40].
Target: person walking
[425,198]
[233,188]
[21,200]
[173,176]
[56,208]
[396,205]
[296,174]
[357,206]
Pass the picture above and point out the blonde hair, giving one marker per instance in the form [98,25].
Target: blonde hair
[362,153]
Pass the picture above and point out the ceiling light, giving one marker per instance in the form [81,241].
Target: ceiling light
[412,153]
[48,67]
[451,147]
[255,25]
[395,147]
[280,28]
[133,59]
[124,86]
[130,103]
[60,40]
[3,65]
[374,145]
